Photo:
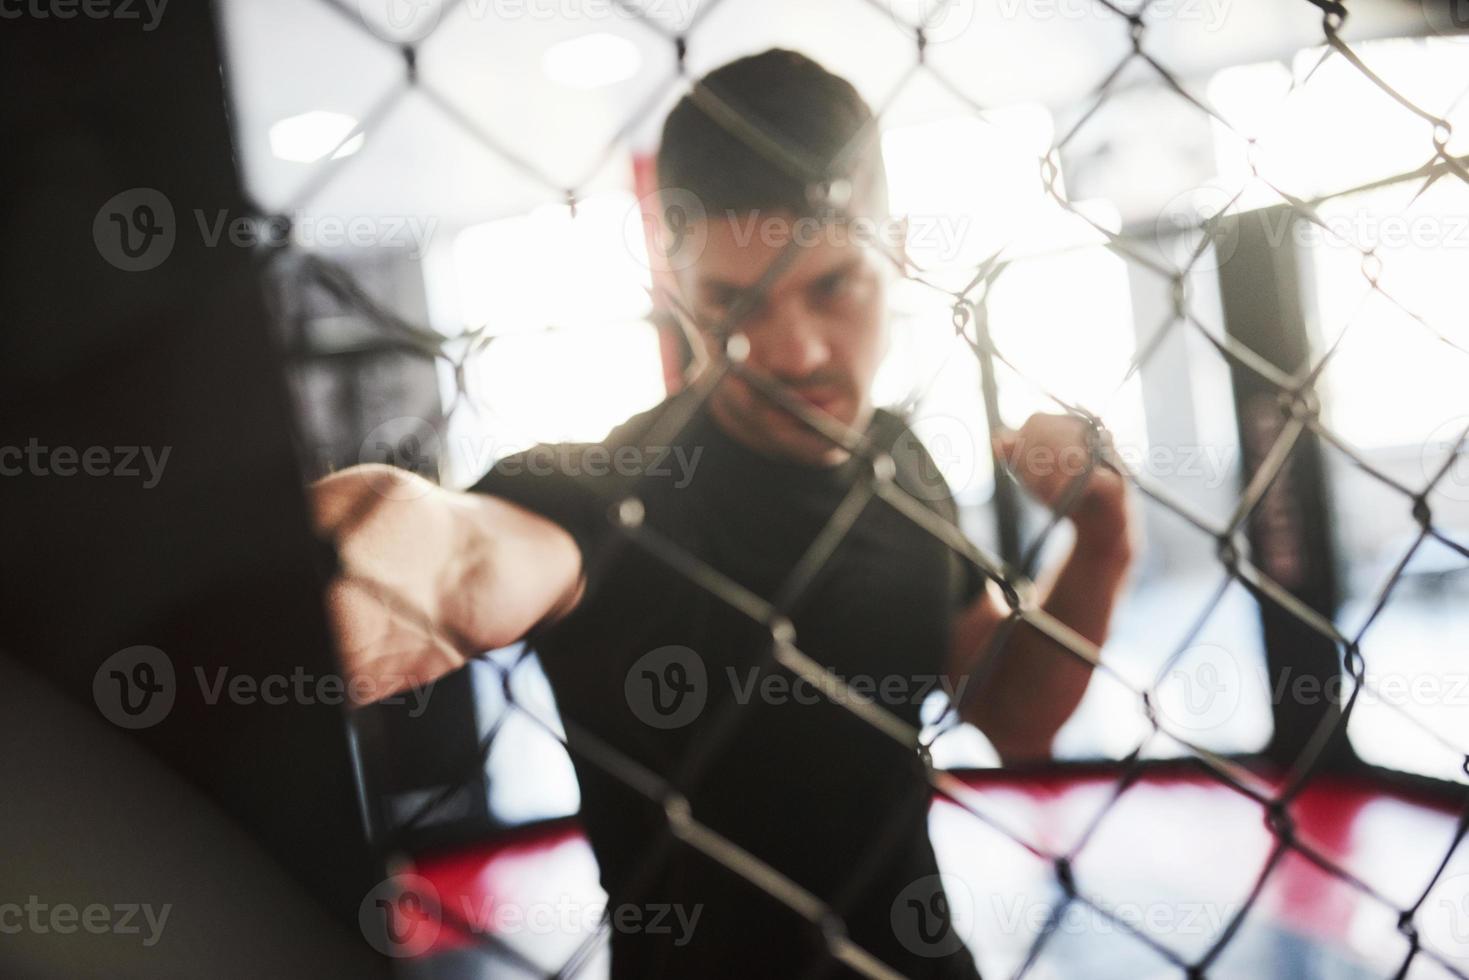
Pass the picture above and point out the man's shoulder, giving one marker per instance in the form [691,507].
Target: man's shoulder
[888,424]
[633,432]
[674,412]
[892,431]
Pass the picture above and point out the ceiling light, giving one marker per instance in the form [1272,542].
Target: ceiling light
[312,135]
[592,61]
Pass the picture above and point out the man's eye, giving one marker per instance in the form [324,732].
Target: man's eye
[722,299]
[829,286]
[737,304]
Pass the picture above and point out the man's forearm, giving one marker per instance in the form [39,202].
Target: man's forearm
[430,576]
[1036,683]
[1083,595]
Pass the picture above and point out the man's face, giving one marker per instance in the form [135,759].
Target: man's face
[820,329]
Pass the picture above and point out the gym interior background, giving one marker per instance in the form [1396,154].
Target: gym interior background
[1230,230]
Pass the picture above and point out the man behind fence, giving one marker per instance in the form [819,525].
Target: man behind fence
[654,671]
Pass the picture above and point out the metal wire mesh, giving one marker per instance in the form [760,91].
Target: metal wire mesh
[1301,413]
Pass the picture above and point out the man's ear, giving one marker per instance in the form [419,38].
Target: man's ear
[682,347]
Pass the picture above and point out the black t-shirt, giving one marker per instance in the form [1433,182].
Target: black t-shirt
[657,667]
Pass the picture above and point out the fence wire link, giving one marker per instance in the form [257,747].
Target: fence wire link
[1301,411]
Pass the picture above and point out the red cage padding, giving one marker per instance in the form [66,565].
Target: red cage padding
[1176,857]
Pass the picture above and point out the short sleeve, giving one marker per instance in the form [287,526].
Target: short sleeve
[970,582]
[919,475]
[967,581]
[561,483]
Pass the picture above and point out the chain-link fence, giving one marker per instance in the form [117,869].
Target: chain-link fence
[1299,420]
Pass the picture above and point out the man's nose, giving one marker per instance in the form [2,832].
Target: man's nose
[791,346]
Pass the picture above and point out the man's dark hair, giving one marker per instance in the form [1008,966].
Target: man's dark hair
[759,131]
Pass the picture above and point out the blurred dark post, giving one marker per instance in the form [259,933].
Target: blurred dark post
[1261,288]
[124,328]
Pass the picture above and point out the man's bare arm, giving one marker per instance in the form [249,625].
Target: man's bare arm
[431,577]
[1036,684]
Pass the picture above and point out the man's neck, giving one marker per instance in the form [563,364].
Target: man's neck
[730,426]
